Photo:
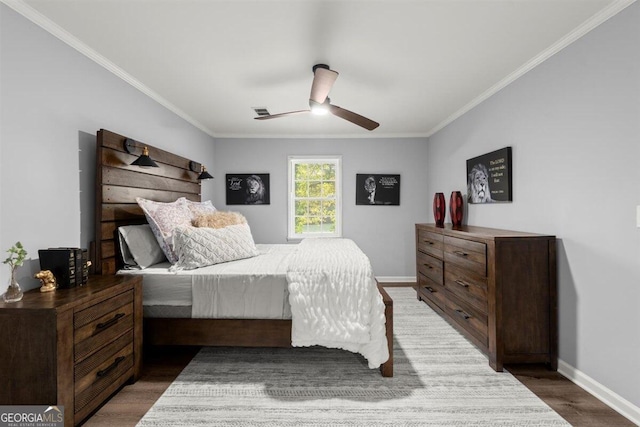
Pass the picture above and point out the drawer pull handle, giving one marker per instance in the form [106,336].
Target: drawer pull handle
[430,289]
[110,368]
[460,253]
[462,314]
[428,242]
[110,322]
[428,266]
[461,283]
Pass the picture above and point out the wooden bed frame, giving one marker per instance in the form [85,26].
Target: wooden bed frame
[117,186]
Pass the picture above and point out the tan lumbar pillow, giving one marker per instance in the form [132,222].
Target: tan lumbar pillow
[219,219]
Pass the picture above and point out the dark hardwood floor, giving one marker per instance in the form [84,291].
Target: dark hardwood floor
[574,404]
[163,364]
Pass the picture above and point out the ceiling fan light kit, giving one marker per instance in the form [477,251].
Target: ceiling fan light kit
[319,109]
[320,104]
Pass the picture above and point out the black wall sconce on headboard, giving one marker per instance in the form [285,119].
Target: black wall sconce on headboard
[143,160]
[196,167]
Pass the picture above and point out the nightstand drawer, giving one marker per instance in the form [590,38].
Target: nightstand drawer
[102,330]
[86,372]
[466,254]
[430,267]
[88,315]
[113,372]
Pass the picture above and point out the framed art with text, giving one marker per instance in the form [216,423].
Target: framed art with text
[377,189]
[489,177]
[247,189]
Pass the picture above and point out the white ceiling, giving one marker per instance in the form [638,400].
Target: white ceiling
[413,66]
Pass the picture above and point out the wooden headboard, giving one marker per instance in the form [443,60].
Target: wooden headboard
[118,183]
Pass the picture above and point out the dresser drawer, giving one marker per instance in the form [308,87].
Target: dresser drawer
[474,322]
[102,323]
[430,267]
[430,243]
[434,292]
[466,254]
[469,288]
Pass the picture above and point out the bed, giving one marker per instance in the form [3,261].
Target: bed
[118,184]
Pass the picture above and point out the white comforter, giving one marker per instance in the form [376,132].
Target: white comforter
[334,299]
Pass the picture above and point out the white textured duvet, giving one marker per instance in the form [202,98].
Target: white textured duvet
[334,299]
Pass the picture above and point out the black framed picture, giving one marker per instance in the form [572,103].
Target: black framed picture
[248,189]
[377,189]
[489,177]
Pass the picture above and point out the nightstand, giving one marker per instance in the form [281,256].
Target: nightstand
[72,347]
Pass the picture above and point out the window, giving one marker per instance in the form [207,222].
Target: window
[315,197]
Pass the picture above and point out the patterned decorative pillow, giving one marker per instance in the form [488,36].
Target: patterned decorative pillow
[219,219]
[163,218]
[198,247]
[199,208]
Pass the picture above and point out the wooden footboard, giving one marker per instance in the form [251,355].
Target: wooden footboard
[387,367]
[242,332]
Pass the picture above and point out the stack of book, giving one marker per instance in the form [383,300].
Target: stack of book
[68,265]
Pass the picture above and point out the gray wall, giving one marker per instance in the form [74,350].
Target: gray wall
[53,101]
[385,233]
[574,125]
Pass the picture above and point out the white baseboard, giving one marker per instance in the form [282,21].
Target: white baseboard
[396,279]
[613,400]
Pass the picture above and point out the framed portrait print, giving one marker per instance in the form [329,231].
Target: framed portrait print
[247,189]
[377,189]
[489,177]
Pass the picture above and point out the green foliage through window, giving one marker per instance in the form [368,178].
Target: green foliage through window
[315,184]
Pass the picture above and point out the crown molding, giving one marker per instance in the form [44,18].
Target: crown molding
[606,13]
[46,24]
[368,135]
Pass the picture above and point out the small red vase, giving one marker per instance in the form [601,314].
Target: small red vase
[439,209]
[456,208]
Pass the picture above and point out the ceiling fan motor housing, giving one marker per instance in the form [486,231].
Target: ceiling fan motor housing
[325,66]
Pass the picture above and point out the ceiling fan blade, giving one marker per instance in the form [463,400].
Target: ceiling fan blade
[354,118]
[275,116]
[323,80]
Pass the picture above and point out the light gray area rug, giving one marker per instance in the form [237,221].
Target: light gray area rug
[440,379]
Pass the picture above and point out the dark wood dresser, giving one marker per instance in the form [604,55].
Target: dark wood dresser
[497,287]
[72,347]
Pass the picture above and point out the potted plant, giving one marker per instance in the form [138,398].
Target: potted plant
[17,255]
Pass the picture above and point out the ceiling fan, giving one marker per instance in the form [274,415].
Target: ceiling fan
[319,102]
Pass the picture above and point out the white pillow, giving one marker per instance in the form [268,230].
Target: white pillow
[139,247]
[201,246]
[163,219]
[198,208]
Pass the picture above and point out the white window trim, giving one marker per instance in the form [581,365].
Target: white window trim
[291,229]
